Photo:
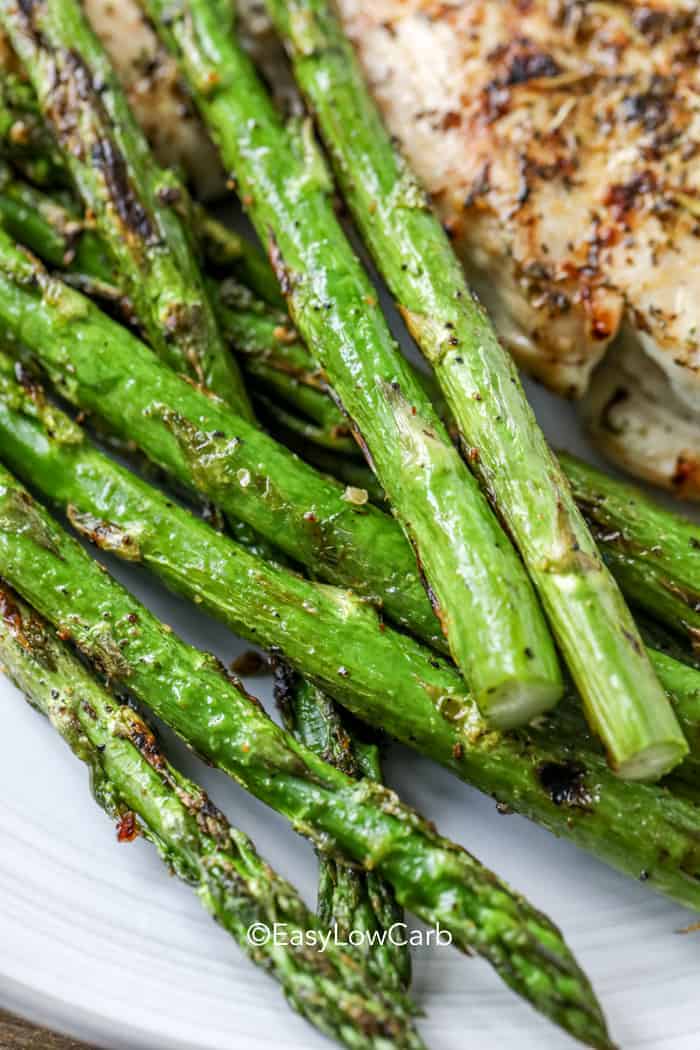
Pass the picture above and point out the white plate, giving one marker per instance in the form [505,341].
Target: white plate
[96,940]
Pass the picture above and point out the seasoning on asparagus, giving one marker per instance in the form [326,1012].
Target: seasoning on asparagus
[623,700]
[348,899]
[136,785]
[480,591]
[133,202]
[559,780]
[359,820]
[101,368]
[27,214]
[353,654]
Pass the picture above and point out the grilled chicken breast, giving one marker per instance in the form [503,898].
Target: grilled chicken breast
[560,140]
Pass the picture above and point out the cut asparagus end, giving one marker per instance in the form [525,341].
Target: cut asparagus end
[653,762]
[517,703]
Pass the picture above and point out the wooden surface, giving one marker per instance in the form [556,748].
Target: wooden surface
[19,1035]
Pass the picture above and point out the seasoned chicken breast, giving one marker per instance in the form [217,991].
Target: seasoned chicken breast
[555,139]
[560,140]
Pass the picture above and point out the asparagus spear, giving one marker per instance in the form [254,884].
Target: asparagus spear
[382,678]
[623,700]
[355,475]
[55,230]
[265,603]
[136,785]
[262,336]
[654,553]
[133,202]
[347,898]
[359,820]
[372,901]
[353,655]
[651,551]
[487,609]
[100,367]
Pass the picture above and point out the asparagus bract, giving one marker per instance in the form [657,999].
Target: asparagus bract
[134,203]
[135,784]
[481,594]
[622,698]
[359,820]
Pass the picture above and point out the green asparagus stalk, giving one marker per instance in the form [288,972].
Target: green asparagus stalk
[623,700]
[135,784]
[353,654]
[26,140]
[348,899]
[381,677]
[654,553]
[682,684]
[307,430]
[372,901]
[487,608]
[354,474]
[134,203]
[262,337]
[365,901]
[358,820]
[265,603]
[101,368]
[651,551]
[272,353]
[55,230]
